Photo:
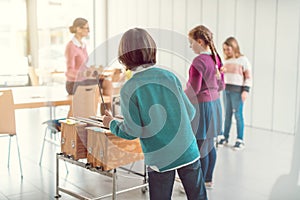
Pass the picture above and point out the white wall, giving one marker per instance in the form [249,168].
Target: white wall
[268,33]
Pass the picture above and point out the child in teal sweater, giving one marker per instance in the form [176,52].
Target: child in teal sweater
[156,110]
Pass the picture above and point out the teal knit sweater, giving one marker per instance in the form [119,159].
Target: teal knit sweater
[156,110]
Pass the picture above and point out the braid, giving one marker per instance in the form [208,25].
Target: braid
[212,49]
[215,55]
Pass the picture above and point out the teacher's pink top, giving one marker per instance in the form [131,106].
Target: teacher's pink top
[76,58]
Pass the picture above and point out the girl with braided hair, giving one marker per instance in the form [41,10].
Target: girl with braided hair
[203,89]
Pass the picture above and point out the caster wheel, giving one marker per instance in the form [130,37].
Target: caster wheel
[144,190]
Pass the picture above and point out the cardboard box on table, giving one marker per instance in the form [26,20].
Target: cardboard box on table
[107,151]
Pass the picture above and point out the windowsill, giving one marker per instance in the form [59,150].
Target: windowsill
[14,80]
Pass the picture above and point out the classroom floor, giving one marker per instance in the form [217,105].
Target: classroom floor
[264,170]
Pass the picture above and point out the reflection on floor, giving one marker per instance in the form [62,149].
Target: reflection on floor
[262,171]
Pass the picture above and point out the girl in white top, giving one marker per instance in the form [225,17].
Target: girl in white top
[237,76]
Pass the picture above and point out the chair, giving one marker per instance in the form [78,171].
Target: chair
[85,101]
[8,122]
[53,128]
[84,104]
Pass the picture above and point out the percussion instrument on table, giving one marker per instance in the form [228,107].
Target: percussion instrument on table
[107,151]
[88,138]
[73,139]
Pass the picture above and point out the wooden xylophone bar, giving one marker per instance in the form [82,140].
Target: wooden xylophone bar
[95,121]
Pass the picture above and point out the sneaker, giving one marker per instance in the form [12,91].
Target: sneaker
[223,142]
[239,145]
[209,185]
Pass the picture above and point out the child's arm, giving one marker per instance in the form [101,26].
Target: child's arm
[114,126]
[194,84]
[130,127]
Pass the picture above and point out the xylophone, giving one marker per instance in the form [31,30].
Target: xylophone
[88,138]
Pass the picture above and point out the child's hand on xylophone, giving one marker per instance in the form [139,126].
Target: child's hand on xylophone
[107,118]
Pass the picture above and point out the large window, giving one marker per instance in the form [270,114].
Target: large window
[13,39]
[54,19]
[49,22]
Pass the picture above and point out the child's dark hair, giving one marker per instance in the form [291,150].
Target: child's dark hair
[203,33]
[137,48]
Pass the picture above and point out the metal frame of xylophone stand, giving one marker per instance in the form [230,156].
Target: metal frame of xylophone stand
[112,173]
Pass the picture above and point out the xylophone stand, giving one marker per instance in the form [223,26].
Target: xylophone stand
[111,173]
